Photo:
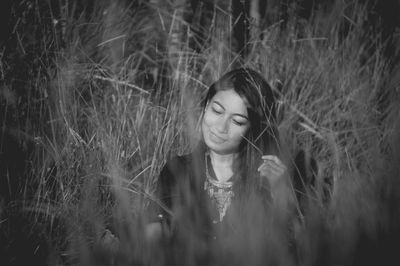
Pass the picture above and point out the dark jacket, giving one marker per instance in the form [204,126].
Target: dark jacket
[184,204]
[186,210]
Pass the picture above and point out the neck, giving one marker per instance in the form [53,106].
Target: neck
[223,160]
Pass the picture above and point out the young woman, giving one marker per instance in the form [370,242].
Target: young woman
[234,182]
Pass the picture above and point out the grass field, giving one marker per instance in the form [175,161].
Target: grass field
[99,99]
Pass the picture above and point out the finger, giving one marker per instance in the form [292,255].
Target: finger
[265,164]
[268,169]
[273,165]
[272,158]
[269,157]
[270,176]
[275,160]
[271,170]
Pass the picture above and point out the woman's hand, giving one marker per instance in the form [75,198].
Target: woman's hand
[109,242]
[273,170]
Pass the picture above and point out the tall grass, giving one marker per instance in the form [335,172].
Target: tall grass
[117,102]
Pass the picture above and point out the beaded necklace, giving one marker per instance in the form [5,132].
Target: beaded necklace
[220,193]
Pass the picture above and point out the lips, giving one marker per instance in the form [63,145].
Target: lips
[217,139]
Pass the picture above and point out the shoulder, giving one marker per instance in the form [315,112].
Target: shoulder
[176,163]
[175,167]
[182,165]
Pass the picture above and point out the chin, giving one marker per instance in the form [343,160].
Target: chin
[220,149]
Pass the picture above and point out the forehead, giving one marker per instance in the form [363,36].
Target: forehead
[231,101]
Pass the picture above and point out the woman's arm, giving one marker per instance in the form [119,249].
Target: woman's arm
[160,210]
[276,174]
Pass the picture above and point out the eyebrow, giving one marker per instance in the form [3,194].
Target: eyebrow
[245,117]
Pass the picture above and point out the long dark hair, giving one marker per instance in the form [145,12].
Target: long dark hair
[262,137]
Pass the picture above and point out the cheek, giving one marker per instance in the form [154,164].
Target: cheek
[208,119]
[238,133]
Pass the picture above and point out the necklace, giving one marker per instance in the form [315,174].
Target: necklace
[219,192]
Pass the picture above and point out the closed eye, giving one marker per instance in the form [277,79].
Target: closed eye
[215,110]
[239,123]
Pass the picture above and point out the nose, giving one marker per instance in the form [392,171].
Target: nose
[223,125]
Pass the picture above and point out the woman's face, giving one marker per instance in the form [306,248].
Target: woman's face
[225,122]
